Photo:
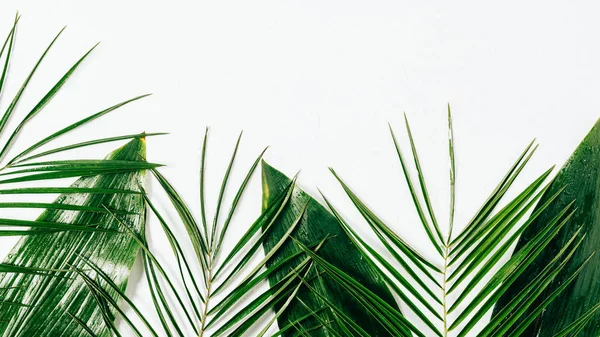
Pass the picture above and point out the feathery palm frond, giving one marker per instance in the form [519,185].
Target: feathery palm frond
[64,277]
[450,299]
[53,300]
[224,298]
[103,288]
[453,298]
[21,168]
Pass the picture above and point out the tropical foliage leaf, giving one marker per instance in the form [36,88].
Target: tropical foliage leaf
[579,180]
[452,294]
[21,168]
[213,291]
[64,278]
[43,281]
[448,297]
[316,225]
[53,297]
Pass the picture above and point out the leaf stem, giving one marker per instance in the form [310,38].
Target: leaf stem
[204,314]
[450,219]
[444,290]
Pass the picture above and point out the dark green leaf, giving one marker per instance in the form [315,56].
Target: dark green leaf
[580,178]
[316,225]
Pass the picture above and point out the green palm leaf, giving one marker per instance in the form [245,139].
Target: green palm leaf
[579,178]
[451,300]
[64,278]
[317,224]
[57,295]
[54,300]
[213,292]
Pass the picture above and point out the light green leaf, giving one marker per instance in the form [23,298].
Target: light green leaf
[58,298]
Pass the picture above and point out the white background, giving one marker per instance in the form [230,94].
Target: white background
[319,81]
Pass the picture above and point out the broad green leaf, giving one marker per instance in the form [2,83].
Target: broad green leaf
[58,299]
[316,225]
[580,178]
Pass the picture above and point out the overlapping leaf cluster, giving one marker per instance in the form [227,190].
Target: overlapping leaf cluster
[452,295]
[65,277]
[217,291]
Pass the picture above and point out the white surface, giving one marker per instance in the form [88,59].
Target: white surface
[319,80]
